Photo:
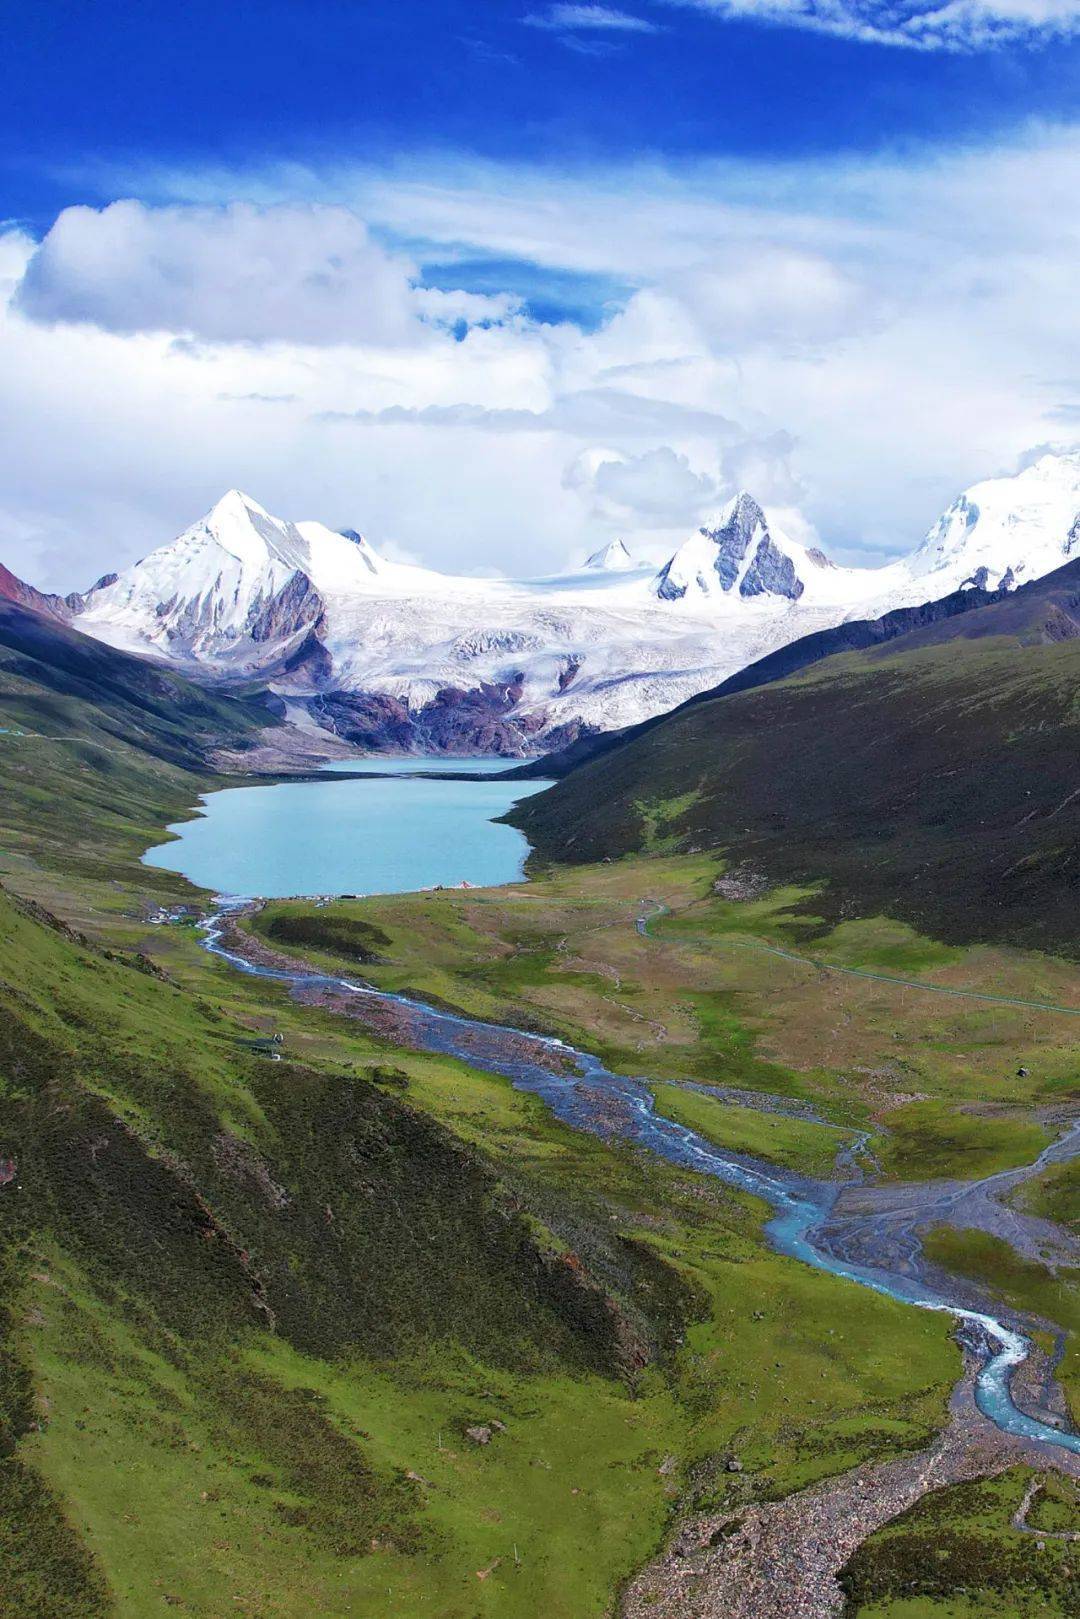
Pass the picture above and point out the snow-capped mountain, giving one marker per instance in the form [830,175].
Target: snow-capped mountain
[612,558]
[739,554]
[390,654]
[1006,531]
[239,588]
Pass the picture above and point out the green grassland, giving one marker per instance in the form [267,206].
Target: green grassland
[250,1307]
[230,1350]
[1055,1195]
[875,1025]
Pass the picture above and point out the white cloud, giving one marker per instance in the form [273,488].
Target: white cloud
[954,25]
[450,307]
[764,465]
[657,489]
[603,19]
[284,273]
[756,293]
[858,340]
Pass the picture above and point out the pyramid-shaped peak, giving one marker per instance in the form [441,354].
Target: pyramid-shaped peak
[244,528]
[740,517]
[739,524]
[235,502]
[611,558]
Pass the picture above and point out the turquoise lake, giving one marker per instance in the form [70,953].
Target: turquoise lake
[379,835]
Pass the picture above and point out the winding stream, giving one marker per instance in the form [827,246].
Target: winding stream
[582,1093]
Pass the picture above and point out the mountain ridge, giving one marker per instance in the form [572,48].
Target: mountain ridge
[932,777]
[851,636]
[378,651]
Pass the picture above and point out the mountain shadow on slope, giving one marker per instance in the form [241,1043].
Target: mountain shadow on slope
[935,777]
[55,674]
[855,636]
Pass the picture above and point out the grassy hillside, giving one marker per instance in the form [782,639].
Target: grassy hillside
[252,1309]
[185,1228]
[936,782]
[98,750]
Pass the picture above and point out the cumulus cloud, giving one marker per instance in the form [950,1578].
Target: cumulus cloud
[453,308]
[657,489]
[962,25]
[856,339]
[285,273]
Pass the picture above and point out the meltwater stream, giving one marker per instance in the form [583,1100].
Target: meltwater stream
[582,1093]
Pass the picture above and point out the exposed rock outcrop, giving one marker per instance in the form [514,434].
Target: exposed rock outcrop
[297,606]
[16,590]
[772,572]
[734,538]
[457,722]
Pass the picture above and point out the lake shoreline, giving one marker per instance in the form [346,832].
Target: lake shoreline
[338,832]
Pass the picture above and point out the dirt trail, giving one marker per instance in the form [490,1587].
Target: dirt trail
[1019,1519]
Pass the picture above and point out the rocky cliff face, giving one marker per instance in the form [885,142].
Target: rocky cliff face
[734,537]
[772,573]
[297,606]
[13,589]
[457,722]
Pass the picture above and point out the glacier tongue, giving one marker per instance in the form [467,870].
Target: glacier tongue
[316,611]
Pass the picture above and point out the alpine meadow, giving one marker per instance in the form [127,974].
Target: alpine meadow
[540,936]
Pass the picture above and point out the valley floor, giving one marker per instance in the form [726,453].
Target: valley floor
[257,1306]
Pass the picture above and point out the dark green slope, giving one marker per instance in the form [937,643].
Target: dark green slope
[51,676]
[855,636]
[189,1204]
[937,777]
[99,749]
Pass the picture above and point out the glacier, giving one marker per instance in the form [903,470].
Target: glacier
[391,654]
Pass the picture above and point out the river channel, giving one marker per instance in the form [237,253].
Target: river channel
[416,830]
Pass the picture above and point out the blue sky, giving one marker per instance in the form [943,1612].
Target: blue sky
[95,86]
[621,223]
